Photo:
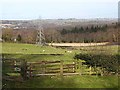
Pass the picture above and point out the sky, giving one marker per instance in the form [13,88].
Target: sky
[57,9]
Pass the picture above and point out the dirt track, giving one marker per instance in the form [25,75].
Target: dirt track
[77,44]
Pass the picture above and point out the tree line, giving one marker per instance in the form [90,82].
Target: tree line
[84,30]
[87,34]
[19,36]
[76,34]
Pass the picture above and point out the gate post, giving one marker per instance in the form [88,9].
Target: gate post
[23,67]
[90,72]
[30,70]
[74,66]
[61,68]
[80,68]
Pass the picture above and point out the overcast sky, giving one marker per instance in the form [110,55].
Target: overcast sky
[54,9]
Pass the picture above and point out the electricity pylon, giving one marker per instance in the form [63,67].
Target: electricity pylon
[40,39]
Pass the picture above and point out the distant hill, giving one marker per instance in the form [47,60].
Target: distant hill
[53,23]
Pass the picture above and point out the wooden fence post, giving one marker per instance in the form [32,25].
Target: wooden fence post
[61,68]
[101,71]
[90,70]
[74,66]
[30,71]
[3,56]
[44,67]
[76,63]
[96,70]
[80,68]
[24,69]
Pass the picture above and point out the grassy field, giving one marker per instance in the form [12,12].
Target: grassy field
[16,48]
[67,82]
[31,52]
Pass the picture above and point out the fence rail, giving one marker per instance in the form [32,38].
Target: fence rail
[52,68]
[48,68]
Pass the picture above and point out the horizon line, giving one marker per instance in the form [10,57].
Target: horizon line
[62,18]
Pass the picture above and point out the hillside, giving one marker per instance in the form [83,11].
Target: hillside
[33,53]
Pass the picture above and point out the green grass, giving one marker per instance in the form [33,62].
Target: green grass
[16,48]
[110,49]
[67,82]
[33,53]
[25,50]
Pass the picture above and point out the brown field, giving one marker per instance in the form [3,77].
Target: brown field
[77,44]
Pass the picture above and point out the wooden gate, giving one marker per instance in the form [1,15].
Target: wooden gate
[51,68]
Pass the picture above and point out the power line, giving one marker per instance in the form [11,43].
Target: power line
[40,39]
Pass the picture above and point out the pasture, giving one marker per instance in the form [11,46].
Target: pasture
[35,53]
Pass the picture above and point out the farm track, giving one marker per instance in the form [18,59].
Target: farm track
[78,44]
